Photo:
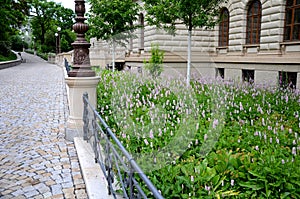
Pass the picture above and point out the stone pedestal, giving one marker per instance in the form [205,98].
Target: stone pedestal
[77,87]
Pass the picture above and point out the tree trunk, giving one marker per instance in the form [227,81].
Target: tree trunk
[188,72]
[113,56]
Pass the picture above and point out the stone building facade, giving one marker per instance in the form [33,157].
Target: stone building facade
[256,40]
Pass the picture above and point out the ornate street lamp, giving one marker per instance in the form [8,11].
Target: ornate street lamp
[81,79]
[81,67]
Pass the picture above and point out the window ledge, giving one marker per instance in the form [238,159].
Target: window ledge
[289,46]
[251,45]
[251,48]
[290,43]
[222,47]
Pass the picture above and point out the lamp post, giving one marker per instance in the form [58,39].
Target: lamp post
[56,41]
[34,51]
[23,43]
[58,30]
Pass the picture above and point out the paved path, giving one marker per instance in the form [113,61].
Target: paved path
[35,159]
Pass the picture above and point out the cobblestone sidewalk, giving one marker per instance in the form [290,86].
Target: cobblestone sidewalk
[35,159]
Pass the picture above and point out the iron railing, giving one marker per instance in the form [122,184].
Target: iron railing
[114,160]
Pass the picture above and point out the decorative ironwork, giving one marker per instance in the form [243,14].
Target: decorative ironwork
[81,67]
[114,160]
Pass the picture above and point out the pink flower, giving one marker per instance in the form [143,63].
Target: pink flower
[207,188]
[215,123]
[151,134]
[241,106]
[269,128]
[256,148]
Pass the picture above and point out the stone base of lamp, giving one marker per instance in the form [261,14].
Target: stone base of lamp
[77,86]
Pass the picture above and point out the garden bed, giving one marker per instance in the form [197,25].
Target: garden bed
[210,140]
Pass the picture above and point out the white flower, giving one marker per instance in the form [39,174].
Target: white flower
[192,178]
[146,141]
[294,151]
[232,182]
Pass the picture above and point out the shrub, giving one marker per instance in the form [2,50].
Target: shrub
[155,64]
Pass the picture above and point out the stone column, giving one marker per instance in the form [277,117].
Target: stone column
[81,78]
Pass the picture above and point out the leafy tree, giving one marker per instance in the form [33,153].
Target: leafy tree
[12,15]
[112,20]
[192,13]
[46,17]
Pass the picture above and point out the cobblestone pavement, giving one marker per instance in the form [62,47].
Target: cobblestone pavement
[35,159]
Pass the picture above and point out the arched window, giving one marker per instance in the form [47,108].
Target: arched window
[224,27]
[253,23]
[292,21]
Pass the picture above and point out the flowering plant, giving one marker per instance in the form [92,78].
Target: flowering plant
[209,140]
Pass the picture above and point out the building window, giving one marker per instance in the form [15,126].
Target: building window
[292,21]
[220,72]
[142,35]
[253,23]
[287,79]
[248,76]
[224,27]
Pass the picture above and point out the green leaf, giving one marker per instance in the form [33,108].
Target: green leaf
[284,195]
[251,185]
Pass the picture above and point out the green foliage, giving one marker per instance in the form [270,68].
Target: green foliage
[7,56]
[193,14]
[47,16]
[155,64]
[17,43]
[12,15]
[255,156]
[112,19]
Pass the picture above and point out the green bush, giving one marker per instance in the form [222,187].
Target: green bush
[155,64]
[5,53]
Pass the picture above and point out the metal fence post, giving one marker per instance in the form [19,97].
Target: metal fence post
[85,116]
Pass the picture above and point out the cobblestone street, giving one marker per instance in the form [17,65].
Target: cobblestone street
[35,159]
